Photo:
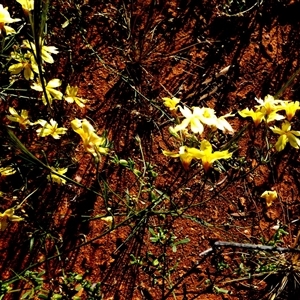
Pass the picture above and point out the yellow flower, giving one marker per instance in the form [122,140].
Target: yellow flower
[286,135]
[270,196]
[290,109]
[171,103]
[269,104]
[7,216]
[265,111]
[4,19]
[191,119]
[269,107]
[26,63]
[257,116]
[208,157]
[52,93]
[27,5]
[46,51]
[186,155]
[92,143]
[21,119]
[55,178]
[71,96]
[50,129]
[6,171]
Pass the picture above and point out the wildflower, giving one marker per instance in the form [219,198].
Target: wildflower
[56,178]
[208,157]
[50,129]
[186,155]
[6,171]
[290,109]
[8,215]
[51,92]
[92,143]
[286,135]
[71,96]
[27,5]
[171,103]
[191,119]
[269,104]
[4,19]
[257,116]
[45,51]
[22,119]
[26,62]
[269,107]
[269,196]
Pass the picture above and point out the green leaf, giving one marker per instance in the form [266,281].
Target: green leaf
[43,296]
[78,277]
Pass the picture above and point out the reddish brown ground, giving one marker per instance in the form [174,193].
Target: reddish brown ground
[125,56]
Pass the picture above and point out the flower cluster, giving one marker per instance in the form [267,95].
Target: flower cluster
[201,117]
[267,111]
[30,59]
[196,120]
[25,60]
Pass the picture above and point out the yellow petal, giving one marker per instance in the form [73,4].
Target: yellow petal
[170,153]
[16,68]
[37,87]
[295,142]
[54,83]
[9,30]
[281,143]
[55,93]
[206,146]
[27,4]
[28,74]
[196,126]
[13,112]
[76,124]
[86,126]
